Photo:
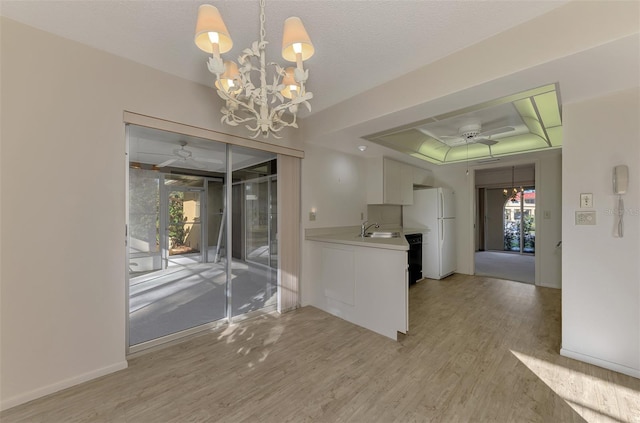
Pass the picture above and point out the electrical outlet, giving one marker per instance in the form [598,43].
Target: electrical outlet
[585,218]
[586,201]
[361,216]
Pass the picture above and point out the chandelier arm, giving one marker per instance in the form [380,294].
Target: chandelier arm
[228,111]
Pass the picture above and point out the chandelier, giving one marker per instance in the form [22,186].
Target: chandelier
[263,108]
[512,194]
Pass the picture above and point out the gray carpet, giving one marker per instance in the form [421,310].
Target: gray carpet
[509,266]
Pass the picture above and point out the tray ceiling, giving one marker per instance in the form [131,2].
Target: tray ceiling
[519,123]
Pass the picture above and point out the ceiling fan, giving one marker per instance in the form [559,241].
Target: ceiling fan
[183,155]
[472,134]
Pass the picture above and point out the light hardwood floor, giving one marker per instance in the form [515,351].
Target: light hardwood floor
[478,349]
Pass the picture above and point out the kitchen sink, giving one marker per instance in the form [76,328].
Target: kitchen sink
[382,235]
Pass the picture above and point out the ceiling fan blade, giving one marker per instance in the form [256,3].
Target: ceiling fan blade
[195,163]
[486,141]
[168,162]
[203,159]
[497,131]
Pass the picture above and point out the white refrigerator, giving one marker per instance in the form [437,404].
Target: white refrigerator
[434,208]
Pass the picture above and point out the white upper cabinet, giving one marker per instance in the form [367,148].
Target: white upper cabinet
[391,182]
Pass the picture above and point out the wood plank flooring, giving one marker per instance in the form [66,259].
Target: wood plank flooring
[478,349]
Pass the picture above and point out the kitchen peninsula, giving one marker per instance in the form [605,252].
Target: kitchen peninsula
[361,280]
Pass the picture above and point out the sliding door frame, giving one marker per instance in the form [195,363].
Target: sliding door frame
[131,118]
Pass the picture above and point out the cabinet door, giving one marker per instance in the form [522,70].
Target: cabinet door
[392,182]
[406,184]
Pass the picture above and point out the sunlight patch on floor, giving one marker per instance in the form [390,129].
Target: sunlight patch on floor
[574,388]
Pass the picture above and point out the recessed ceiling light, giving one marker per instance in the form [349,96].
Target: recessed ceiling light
[362,147]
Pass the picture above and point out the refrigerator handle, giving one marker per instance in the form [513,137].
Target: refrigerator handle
[441,229]
[441,205]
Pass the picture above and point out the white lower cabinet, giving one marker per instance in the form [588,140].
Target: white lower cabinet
[365,286]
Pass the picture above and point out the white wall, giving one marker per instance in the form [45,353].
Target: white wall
[549,231]
[333,185]
[63,203]
[601,273]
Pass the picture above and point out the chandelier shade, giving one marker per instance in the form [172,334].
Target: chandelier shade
[229,80]
[209,23]
[291,87]
[295,33]
[262,107]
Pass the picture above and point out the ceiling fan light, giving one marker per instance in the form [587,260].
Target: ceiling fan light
[210,21]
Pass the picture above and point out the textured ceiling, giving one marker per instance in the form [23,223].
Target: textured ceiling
[359,44]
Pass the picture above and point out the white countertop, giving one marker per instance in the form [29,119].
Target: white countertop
[350,236]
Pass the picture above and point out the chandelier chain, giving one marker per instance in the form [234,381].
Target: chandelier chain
[263,33]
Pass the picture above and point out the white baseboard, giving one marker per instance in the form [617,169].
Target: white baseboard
[544,285]
[58,386]
[630,371]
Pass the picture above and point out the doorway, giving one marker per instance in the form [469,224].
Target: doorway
[505,223]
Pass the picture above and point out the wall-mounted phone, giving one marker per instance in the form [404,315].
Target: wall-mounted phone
[620,179]
[620,186]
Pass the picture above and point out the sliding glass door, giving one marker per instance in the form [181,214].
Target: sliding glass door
[519,222]
[180,277]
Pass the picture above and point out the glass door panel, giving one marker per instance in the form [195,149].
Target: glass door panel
[257,222]
[175,215]
[216,217]
[184,228]
[144,228]
[519,222]
[254,232]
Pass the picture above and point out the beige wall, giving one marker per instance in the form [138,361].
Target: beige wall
[494,226]
[62,288]
[601,275]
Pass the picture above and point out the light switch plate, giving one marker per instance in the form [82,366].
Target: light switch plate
[312,216]
[586,201]
[585,218]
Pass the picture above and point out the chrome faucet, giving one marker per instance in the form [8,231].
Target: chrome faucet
[364,227]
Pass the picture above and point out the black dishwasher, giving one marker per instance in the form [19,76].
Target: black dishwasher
[414,257]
